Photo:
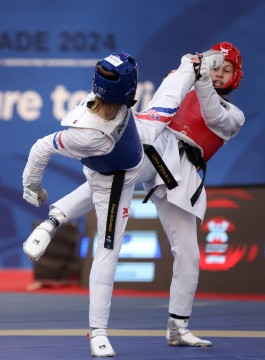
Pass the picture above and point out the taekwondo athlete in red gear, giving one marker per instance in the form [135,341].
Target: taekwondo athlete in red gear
[206,121]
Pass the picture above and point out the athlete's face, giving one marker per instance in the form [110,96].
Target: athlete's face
[222,75]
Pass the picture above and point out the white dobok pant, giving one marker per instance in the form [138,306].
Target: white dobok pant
[179,225]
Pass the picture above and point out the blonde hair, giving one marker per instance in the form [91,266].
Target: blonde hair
[107,110]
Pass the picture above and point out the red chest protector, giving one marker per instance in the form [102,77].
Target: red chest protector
[189,123]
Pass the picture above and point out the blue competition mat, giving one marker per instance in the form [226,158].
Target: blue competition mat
[54,327]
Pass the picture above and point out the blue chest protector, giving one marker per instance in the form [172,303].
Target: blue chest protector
[126,154]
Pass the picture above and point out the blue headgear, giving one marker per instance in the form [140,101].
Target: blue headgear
[121,90]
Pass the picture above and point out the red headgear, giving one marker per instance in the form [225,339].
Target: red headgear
[233,55]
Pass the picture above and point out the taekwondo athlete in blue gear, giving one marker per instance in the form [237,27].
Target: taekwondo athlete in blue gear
[95,129]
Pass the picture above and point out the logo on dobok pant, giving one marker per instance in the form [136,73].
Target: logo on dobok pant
[125,212]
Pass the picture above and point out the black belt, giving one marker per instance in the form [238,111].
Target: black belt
[161,168]
[115,195]
[194,156]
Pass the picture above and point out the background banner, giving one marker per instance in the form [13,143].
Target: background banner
[47,53]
